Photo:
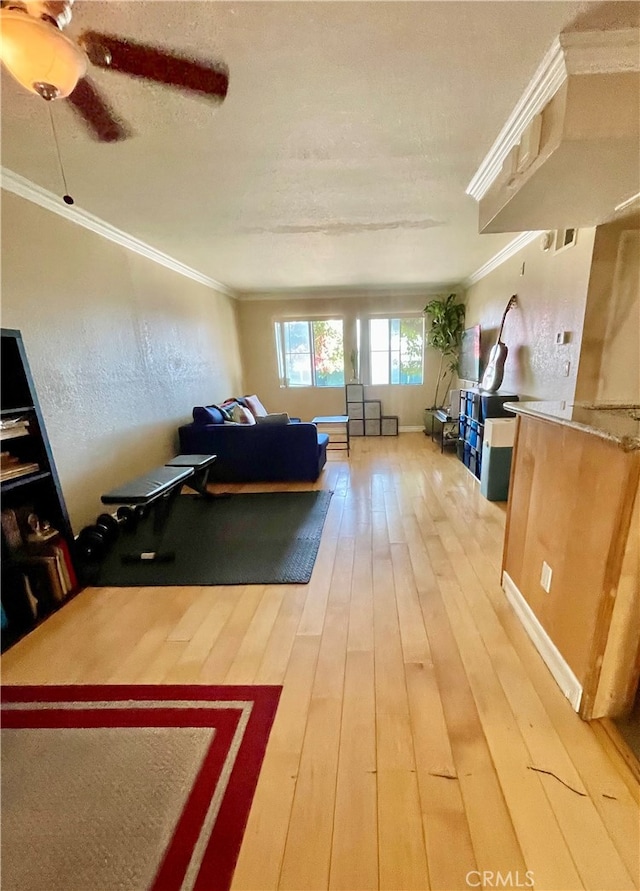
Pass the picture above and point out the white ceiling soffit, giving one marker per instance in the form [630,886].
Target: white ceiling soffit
[24,188]
[574,52]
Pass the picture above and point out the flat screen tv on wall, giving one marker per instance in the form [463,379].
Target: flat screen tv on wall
[469,356]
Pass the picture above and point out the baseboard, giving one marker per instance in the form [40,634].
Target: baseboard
[551,655]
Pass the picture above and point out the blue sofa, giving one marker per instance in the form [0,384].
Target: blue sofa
[254,453]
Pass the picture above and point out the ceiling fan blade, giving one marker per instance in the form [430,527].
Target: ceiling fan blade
[99,118]
[155,64]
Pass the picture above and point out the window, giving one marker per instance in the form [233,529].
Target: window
[310,353]
[396,348]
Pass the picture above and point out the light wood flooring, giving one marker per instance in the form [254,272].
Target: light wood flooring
[420,741]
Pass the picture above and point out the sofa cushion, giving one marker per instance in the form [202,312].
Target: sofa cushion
[255,406]
[209,414]
[274,418]
[242,415]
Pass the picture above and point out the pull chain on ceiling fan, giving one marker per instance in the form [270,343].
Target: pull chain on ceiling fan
[47,62]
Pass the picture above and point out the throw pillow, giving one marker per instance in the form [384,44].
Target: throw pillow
[227,408]
[209,414]
[242,415]
[273,419]
[255,406]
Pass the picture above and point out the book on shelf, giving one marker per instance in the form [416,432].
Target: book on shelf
[20,604]
[31,600]
[11,529]
[48,576]
[67,563]
[10,428]
[12,471]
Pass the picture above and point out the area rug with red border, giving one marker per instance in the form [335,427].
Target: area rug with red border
[129,787]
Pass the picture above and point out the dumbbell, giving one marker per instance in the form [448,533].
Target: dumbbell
[94,541]
[125,517]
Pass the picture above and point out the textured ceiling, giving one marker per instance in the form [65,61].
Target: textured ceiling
[340,156]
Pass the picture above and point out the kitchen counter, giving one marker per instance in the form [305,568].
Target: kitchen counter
[617,423]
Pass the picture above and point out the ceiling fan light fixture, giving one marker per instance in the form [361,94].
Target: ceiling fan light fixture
[39,56]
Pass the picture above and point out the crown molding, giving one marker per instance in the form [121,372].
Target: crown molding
[549,76]
[498,259]
[345,292]
[601,52]
[574,52]
[24,188]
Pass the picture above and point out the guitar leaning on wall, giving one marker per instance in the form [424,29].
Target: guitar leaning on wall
[494,372]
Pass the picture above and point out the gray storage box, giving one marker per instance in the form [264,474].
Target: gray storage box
[372,427]
[389,425]
[373,408]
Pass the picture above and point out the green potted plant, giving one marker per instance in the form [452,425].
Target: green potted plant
[444,330]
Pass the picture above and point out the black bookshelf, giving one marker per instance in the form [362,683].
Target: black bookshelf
[38,571]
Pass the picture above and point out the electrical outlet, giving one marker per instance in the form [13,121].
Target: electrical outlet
[545,576]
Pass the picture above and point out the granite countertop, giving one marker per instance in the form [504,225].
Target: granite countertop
[619,423]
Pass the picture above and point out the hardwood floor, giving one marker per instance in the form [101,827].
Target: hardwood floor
[420,740]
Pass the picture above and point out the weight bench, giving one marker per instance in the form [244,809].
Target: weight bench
[201,465]
[159,489]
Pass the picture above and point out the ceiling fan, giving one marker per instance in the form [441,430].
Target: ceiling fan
[47,62]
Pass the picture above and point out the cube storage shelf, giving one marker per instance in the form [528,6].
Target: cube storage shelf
[365,415]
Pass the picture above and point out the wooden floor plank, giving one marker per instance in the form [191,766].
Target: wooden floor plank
[402,853]
[215,667]
[272,668]
[307,856]
[354,853]
[247,661]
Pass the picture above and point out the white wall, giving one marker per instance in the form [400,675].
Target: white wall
[610,359]
[552,296]
[120,348]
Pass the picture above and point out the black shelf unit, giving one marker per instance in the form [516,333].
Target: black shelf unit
[475,407]
[28,595]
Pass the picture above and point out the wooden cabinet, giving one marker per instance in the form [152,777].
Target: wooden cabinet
[38,572]
[571,565]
